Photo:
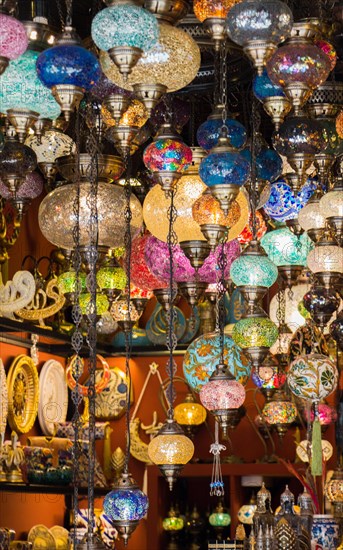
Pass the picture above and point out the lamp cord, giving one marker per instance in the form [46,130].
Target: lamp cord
[171,366]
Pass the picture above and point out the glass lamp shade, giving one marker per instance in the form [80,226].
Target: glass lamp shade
[121,312]
[167,154]
[279,412]
[246,235]
[255,332]
[334,488]
[87,307]
[17,158]
[326,258]
[283,342]
[305,63]
[155,209]
[263,87]
[141,275]
[268,163]
[14,40]
[284,248]
[126,504]
[269,21]
[321,303]
[205,9]
[31,188]
[173,62]
[274,382]
[253,270]
[293,318]
[224,168]
[204,354]
[56,215]
[219,519]
[157,259]
[222,395]
[67,282]
[206,209]
[51,145]
[105,87]
[326,413]
[331,204]
[139,293]
[68,64]
[124,25]
[336,330]
[208,133]
[170,449]
[173,523]
[190,413]
[283,204]
[179,117]
[335,143]
[298,134]
[135,115]
[111,278]
[311,217]
[329,51]
[312,377]
[20,88]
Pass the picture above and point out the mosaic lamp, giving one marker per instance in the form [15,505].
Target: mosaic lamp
[326,260]
[222,395]
[268,163]
[23,98]
[29,189]
[170,450]
[261,228]
[56,216]
[334,488]
[141,274]
[331,207]
[14,40]
[219,518]
[285,204]
[69,70]
[16,162]
[311,219]
[280,412]
[327,415]
[209,131]
[313,377]
[213,15]
[125,506]
[190,415]
[269,376]
[299,65]
[224,171]
[173,522]
[124,30]
[255,335]
[321,303]
[273,98]
[259,27]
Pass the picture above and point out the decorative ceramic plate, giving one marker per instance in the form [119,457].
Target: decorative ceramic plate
[23,394]
[41,538]
[53,401]
[3,398]
[157,325]
[61,536]
[110,404]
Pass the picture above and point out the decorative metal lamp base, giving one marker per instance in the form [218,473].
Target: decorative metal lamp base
[259,51]
[214,233]
[336,224]
[167,179]
[149,94]
[277,107]
[295,227]
[298,93]
[117,104]
[49,171]
[257,354]
[290,274]
[300,162]
[23,120]
[125,58]
[196,252]
[68,97]
[216,28]
[162,296]
[171,472]
[253,295]
[329,279]
[193,291]
[225,194]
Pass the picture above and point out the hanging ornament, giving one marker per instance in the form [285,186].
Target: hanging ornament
[69,70]
[259,27]
[284,204]
[326,260]
[213,15]
[280,412]
[190,415]
[125,31]
[255,335]
[14,40]
[321,303]
[16,162]
[273,98]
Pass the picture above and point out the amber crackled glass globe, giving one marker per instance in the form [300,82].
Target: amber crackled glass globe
[173,62]
[190,413]
[204,9]
[135,115]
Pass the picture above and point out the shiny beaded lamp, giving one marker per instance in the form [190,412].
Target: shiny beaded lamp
[259,27]
[326,260]
[68,69]
[14,40]
[273,98]
[280,412]
[125,30]
[213,15]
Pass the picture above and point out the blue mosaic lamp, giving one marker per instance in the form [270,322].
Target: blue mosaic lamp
[268,163]
[263,87]
[224,171]
[125,31]
[69,70]
[209,131]
[284,204]
[21,90]
[274,100]
[125,506]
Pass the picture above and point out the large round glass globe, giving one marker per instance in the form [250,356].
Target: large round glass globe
[208,133]
[14,40]
[126,505]
[298,134]
[255,332]
[285,248]
[325,258]
[52,145]
[253,270]
[224,168]
[264,88]
[173,62]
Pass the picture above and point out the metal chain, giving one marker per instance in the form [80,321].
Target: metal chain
[217,81]
[128,331]
[281,311]
[223,80]
[253,191]
[221,289]
[69,16]
[92,250]
[171,342]
[61,13]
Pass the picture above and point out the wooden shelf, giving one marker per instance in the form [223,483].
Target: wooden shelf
[49,489]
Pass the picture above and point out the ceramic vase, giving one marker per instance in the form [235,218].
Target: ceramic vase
[325,531]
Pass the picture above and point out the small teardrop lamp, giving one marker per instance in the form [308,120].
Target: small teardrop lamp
[125,506]
[272,97]
[255,335]
[300,138]
[253,273]
[224,171]
[125,30]
[326,260]
[167,157]
[280,412]
[14,40]
[259,26]
[125,117]
[69,70]
[170,450]
[331,207]
[222,395]
[16,162]
[213,15]
[299,66]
